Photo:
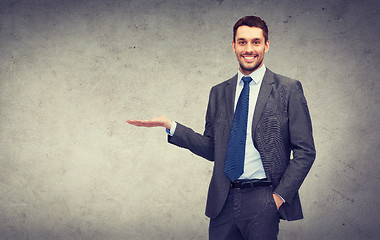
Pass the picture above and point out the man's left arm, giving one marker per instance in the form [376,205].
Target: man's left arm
[301,142]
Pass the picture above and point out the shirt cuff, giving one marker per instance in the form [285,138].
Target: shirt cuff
[171,131]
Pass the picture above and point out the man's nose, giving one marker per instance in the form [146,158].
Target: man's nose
[249,48]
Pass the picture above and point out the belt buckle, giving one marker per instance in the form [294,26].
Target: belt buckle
[246,185]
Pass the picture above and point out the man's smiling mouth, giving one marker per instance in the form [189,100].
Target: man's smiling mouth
[249,58]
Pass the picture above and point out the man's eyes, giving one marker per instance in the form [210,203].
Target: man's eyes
[243,42]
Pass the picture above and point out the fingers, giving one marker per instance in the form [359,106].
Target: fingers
[159,121]
[145,123]
[141,123]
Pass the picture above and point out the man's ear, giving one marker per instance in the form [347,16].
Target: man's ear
[267,46]
[233,46]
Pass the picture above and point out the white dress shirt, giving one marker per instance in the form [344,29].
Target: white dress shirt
[253,166]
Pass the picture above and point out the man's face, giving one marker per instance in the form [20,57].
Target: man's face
[250,47]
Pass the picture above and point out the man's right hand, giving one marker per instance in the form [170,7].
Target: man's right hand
[160,121]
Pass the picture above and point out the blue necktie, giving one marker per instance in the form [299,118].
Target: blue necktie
[234,165]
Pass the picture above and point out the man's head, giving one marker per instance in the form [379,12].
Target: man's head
[250,43]
[251,21]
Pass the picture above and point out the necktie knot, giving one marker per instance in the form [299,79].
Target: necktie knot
[247,79]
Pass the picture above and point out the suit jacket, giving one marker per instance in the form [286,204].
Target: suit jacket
[281,125]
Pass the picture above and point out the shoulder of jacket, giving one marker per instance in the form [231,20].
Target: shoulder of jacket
[283,80]
[226,82]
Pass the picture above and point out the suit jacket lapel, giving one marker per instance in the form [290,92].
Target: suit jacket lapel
[230,92]
[265,91]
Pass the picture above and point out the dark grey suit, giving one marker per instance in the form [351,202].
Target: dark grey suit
[281,124]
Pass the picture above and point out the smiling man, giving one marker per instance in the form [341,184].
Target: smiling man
[254,122]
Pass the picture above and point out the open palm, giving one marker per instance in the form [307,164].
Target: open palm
[159,121]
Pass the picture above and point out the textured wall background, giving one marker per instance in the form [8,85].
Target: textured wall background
[72,72]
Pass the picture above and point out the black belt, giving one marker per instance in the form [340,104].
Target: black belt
[250,183]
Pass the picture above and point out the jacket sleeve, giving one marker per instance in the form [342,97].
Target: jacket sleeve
[301,143]
[201,145]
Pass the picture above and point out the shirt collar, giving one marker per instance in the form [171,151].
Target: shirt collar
[257,76]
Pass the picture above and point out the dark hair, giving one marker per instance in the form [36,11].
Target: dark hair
[252,21]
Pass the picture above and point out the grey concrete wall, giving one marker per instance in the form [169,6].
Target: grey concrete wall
[72,72]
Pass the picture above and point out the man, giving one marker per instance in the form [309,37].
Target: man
[254,121]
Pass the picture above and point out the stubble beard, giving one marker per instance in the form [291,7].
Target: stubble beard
[251,69]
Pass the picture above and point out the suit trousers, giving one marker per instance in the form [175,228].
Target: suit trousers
[248,214]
